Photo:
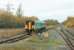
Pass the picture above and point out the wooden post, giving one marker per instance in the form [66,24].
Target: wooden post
[46,36]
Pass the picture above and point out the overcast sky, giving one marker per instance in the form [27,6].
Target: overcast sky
[44,9]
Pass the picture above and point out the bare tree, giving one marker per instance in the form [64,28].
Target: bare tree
[19,11]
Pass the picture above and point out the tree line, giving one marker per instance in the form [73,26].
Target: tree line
[9,20]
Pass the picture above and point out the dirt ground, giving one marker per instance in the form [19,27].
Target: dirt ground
[5,33]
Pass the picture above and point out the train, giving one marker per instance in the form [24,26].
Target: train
[34,26]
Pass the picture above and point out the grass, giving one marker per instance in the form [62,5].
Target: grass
[34,43]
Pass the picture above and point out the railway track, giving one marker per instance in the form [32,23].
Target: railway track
[69,38]
[16,38]
[67,35]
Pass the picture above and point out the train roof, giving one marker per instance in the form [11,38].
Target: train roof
[38,21]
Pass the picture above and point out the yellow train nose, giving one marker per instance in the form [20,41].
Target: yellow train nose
[30,25]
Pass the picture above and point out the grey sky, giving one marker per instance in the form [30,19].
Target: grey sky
[44,9]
